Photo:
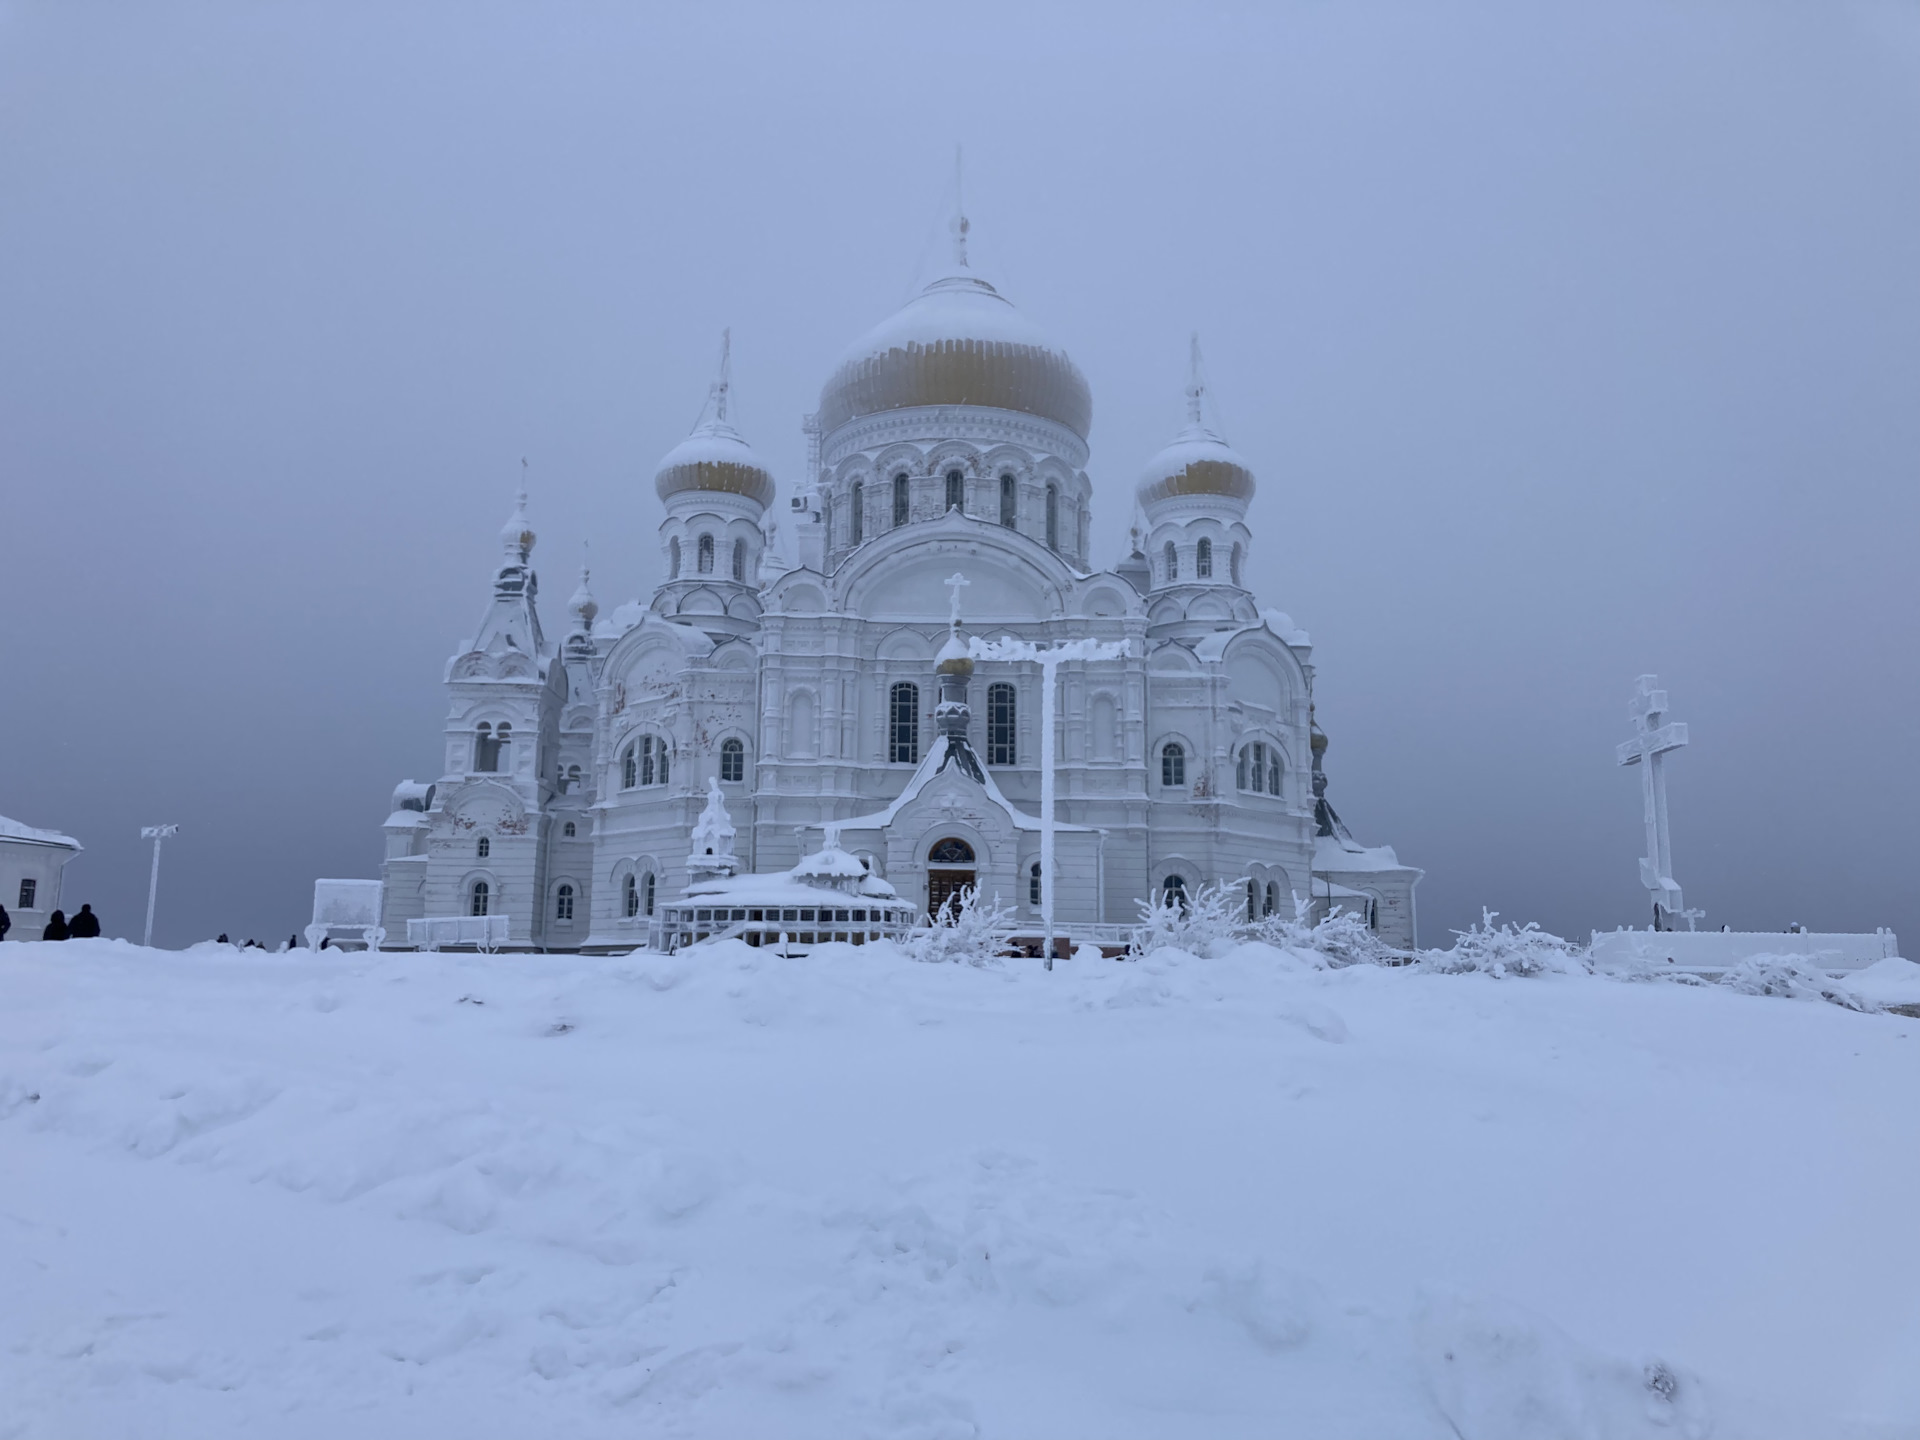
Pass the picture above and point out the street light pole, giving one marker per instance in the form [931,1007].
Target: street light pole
[155,833]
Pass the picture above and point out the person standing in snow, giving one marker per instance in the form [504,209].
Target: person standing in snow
[85,925]
[56,927]
[6,922]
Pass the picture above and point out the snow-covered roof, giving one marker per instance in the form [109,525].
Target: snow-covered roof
[1330,854]
[830,862]
[1282,625]
[14,830]
[801,885]
[410,819]
[931,766]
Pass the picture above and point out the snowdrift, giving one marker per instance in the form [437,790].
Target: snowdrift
[721,1194]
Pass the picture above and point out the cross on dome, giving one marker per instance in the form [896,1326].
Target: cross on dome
[954,583]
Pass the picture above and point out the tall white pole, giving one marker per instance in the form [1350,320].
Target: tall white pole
[1049,671]
[155,833]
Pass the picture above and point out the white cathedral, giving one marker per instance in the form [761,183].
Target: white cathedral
[951,441]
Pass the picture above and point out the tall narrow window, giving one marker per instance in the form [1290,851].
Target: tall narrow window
[704,562]
[630,896]
[733,761]
[1256,754]
[857,518]
[573,779]
[1173,763]
[630,766]
[649,894]
[1273,772]
[1053,517]
[28,889]
[1233,560]
[903,728]
[484,848]
[899,499]
[1002,749]
[740,561]
[486,749]
[1253,900]
[569,830]
[1273,898]
[956,491]
[663,759]
[826,521]
[504,735]
[646,760]
[563,903]
[1203,559]
[1173,563]
[1033,884]
[1009,501]
[478,905]
[1174,889]
[673,558]
[1240,770]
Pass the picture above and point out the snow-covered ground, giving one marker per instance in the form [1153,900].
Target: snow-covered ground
[728,1195]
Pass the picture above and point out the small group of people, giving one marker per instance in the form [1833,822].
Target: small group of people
[250,945]
[84,926]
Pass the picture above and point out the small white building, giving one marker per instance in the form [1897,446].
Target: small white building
[31,864]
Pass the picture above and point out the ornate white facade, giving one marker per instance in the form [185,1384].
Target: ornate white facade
[952,439]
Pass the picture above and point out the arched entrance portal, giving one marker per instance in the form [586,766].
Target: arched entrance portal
[949,873]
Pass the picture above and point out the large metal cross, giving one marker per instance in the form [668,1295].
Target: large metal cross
[1654,738]
[954,583]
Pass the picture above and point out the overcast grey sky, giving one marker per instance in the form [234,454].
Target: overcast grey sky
[1569,341]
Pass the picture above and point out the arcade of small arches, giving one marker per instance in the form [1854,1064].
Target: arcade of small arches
[942,487]
[703,557]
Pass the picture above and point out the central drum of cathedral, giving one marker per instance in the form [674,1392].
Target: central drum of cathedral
[792,657]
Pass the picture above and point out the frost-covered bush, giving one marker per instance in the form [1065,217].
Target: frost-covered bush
[1794,978]
[970,930]
[1502,950]
[1343,938]
[1205,923]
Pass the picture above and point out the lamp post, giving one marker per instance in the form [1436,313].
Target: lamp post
[155,833]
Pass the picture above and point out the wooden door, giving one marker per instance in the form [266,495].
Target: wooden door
[944,883]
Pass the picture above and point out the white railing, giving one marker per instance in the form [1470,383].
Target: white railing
[483,932]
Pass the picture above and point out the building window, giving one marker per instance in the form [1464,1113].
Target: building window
[826,520]
[1233,560]
[950,851]
[1173,763]
[703,561]
[480,896]
[568,830]
[956,491]
[1002,747]
[733,761]
[1273,771]
[673,558]
[563,903]
[630,766]
[1273,897]
[1009,501]
[644,762]
[1174,890]
[1173,563]
[630,896]
[486,749]
[740,561]
[899,500]
[649,892]
[1033,884]
[484,848]
[28,889]
[1203,559]
[857,521]
[573,779]
[1253,901]
[1053,517]
[903,729]
[1251,773]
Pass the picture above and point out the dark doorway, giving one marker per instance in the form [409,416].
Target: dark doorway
[949,873]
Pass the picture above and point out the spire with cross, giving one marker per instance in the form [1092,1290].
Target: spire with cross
[955,583]
[1655,737]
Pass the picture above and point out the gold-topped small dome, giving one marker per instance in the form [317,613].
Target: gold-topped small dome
[715,458]
[953,658]
[1199,462]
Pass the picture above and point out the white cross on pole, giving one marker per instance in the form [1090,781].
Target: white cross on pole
[954,583]
[1654,738]
[1049,659]
[155,833]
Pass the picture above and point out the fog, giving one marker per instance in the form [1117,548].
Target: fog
[1569,342]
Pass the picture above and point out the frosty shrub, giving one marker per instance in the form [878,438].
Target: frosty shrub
[970,930]
[1502,950]
[1343,938]
[1792,977]
[1204,924]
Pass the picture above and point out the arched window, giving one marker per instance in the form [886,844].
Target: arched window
[1251,773]
[1033,884]
[673,558]
[733,761]
[1173,563]
[950,851]
[956,491]
[1253,900]
[644,762]
[1009,500]
[1273,898]
[649,892]
[1002,747]
[826,519]
[661,747]
[903,724]
[1053,517]
[630,896]
[573,779]
[900,499]
[563,903]
[630,766]
[1240,770]
[1203,559]
[478,903]
[1233,560]
[484,848]
[1273,772]
[1174,890]
[1173,763]
[569,830]
[704,561]
[486,749]
[857,519]
[740,561]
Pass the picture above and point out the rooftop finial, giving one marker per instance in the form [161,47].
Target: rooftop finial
[1196,387]
[959,222]
[725,381]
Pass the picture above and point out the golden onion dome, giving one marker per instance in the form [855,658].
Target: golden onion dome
[1198,462]
[953,658]
[958,342]
[715,458]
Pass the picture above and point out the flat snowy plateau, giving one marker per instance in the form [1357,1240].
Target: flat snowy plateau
[722,1194]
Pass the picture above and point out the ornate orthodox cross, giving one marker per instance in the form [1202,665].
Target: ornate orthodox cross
[955,582]
[1655,737]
